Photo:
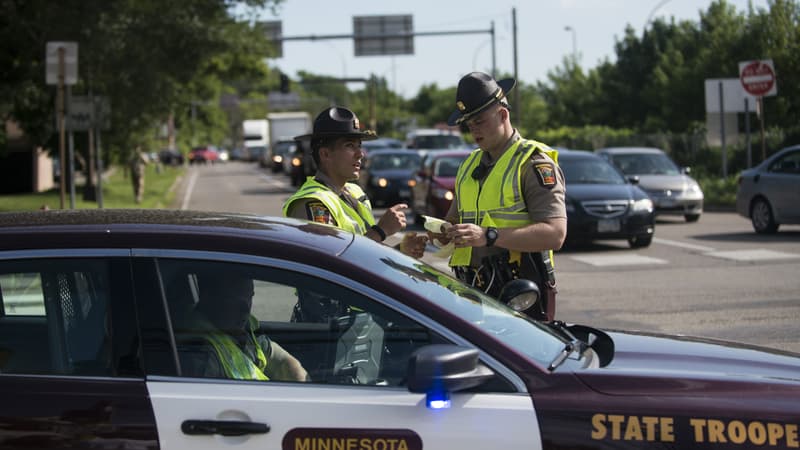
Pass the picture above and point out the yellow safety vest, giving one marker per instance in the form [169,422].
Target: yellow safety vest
[499,201]
[356,221]
[235,362]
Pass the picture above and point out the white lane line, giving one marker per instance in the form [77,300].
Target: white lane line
[699,248]
[600,260]
[758,254]
[187,195]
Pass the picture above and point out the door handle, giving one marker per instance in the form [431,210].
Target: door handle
[223,427]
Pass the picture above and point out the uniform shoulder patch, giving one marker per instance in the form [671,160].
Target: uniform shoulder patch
[545,173]
[318,212]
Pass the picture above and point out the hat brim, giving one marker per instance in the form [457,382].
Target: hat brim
[506,85]
[364,136]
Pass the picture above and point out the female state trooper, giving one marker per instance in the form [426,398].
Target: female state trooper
[508,211]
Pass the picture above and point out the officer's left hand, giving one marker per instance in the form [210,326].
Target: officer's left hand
[413,244]
[466,235]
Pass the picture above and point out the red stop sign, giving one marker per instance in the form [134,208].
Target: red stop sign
[757,78]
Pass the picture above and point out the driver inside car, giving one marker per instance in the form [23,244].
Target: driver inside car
[229,328]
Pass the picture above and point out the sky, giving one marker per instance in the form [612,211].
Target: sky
[547,32]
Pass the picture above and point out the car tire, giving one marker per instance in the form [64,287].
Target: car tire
[692,217]
[641,241]
[762,218]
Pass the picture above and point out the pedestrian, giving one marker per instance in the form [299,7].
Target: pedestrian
[331,196]
[508,212]
[138,163]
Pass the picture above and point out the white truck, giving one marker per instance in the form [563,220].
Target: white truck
[255,133]
[292,157]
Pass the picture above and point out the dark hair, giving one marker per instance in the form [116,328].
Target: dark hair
[318,143]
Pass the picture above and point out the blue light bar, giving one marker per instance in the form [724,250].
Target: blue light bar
[437,400]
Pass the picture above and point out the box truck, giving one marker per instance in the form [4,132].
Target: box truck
[255,134]
[294,157]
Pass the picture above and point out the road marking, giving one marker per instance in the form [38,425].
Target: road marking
[699,248]
[187,195]
[758,254]
[608,259]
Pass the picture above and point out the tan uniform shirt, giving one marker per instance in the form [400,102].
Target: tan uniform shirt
[543,200]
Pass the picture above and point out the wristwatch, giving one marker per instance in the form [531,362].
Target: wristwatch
[491,236]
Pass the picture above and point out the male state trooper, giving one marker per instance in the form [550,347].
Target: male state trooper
[508,212]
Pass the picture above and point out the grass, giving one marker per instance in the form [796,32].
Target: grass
[117,192]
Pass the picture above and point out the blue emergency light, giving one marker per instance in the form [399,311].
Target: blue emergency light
[437,400]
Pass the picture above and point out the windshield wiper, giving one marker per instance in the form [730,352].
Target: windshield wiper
[574,344]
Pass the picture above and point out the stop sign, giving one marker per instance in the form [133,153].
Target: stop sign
[757,77]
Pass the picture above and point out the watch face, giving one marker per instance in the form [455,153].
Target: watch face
[491,236]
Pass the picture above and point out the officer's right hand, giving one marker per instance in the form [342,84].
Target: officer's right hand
[394,219]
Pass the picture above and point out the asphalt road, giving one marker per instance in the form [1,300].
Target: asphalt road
[715,278]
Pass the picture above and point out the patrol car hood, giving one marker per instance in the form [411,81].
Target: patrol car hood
[666,363]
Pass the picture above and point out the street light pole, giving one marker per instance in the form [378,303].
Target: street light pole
[574,43]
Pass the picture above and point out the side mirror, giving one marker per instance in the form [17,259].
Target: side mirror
[523,296]
[634,179]
[687,170]
[439,369]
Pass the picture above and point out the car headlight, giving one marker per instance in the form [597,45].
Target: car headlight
[442,193]
[642,205]
[297,162]
[277,158]
[693,188]
[380,182]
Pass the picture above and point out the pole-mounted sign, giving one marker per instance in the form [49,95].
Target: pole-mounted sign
[758,77]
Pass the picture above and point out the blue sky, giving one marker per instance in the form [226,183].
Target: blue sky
[542,40]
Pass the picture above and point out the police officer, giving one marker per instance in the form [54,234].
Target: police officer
[330,196]
[239,353]
[508,211]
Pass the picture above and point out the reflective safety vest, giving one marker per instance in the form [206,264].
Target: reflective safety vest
[498,201]
[356,221]
[235,362]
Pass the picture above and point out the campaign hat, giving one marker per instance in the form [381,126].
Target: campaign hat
[476,92]
[337,121]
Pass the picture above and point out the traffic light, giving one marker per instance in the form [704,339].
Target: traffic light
[284,83]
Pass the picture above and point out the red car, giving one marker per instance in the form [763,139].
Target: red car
[435,181]
[204,155]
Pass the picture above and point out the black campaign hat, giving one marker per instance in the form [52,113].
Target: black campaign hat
[338,122]
[476,92]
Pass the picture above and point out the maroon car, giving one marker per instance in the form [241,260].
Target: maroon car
[433,188]
[102,345]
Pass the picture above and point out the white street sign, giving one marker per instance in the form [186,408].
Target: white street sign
[70,62]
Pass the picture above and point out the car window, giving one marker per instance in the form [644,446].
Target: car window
[646,164]
[394,161]
[339,336]
[590,171]
[54,317]
[789,163]
[447,167]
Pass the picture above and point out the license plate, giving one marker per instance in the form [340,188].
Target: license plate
[608,226]
[405,193]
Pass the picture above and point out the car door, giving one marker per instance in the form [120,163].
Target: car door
[783,181]
[355,349]
[70,374]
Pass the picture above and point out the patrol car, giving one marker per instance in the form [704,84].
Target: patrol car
[400,356]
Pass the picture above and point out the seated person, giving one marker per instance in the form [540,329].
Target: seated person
[227,325]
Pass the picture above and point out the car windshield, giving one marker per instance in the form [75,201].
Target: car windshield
[646,164]
[439,141]
[590,171]
[447,167]
[526,336]
[408,160]
[283,148]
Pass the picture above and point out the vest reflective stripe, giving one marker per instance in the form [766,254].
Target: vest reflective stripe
[347,218]
[235,362]
[499,200]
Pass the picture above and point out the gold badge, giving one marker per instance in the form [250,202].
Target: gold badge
[356,124]
[460,105]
